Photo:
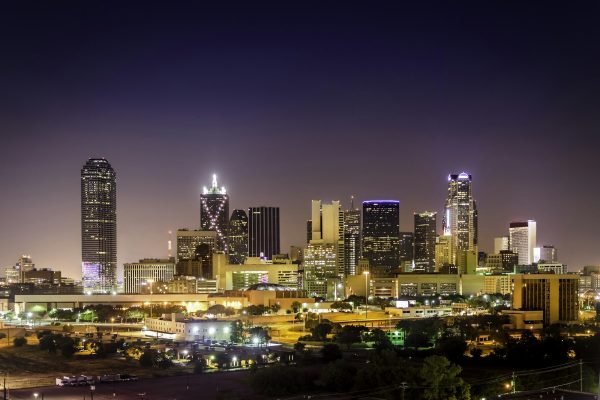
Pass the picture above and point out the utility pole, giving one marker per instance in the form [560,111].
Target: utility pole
[580,375]
[403,384]
[514,383]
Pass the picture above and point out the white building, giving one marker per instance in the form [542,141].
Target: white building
[501,243]
[555,268]
[145,272]
[493,284]
[523,240]
[176,327]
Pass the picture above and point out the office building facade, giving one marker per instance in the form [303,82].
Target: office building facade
[263,232]
[98,226]
[352,239]
[523,240]
[425,238]
[460,216]
[146,272]
[381,234]
[194,253]
[237,237]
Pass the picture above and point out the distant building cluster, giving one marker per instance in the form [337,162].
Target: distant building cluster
[359,250]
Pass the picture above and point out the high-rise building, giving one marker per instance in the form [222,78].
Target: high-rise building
[194,253]
[460,217]
[98,226]
[237,237]
[351,239]
[147,272]
[548,254]
[443,253]
[523,240]
[501,243]
[326,244]
[381,234]
[425,236]
[214,212]
[406,247]
[263,232]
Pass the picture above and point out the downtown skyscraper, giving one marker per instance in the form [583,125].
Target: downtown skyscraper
[460,218]
[98,226]
[237,237]
[381,234]
[523,236]
[424,241]
[352,239]
[263,232]
[214,212]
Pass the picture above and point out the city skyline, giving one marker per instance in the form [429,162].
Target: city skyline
[288,106]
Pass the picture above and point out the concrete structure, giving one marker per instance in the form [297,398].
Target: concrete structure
[501,243]
[548,254]
[555,268]
[493,284]
[255,270]
[263,232]
[419,312]
[99,226]
[178,328]
[532,320]
[413,284]
[556,295]
[523,240]
[460,217]
[146,272]
[195,252]
[214,212]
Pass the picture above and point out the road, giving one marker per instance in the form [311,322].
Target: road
[227,385]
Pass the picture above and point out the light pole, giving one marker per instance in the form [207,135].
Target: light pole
[112,325]
[366,274]
[92,388]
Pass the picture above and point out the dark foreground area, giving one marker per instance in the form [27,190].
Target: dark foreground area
[230,385]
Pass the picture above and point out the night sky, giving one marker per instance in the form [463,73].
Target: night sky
[294,101]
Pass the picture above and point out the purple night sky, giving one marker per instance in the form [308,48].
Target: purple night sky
[292,103]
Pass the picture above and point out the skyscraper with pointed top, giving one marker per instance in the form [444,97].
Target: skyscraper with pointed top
[460,217]
[214,212]
[98,226]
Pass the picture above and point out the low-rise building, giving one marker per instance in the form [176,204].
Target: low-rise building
[178,328]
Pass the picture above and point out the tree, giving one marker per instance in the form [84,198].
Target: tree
[48,343]
[338,376]
[67,347]
[453,347]
[380,339]
[20,341]
[238,333]
[296,305]
[216,309]
[350,334]
[341,306]
[441,380]
[416,340]
[331,352]
[299,347]
[275,308]
[259,334]
[356,300]
[321,331]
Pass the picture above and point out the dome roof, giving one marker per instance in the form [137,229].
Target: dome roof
[269,286]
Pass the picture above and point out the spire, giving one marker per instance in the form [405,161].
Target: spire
[352,202]
[214,181]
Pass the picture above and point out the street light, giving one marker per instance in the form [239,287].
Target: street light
[366,274]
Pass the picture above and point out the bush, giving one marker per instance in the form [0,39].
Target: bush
[331,352]
[20,341]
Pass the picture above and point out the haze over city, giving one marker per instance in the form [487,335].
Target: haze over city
[371,103]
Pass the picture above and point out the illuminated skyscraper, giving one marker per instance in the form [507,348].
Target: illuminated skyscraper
[523,240]
[237,237]
[460,217]
[98,226]
[425,235]
[352,240]
[263,232]
[381,234]
[194,253]
[214,212]
[406,247]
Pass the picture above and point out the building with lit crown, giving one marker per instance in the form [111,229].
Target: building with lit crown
[460,218]
[98,226]
[214,212]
